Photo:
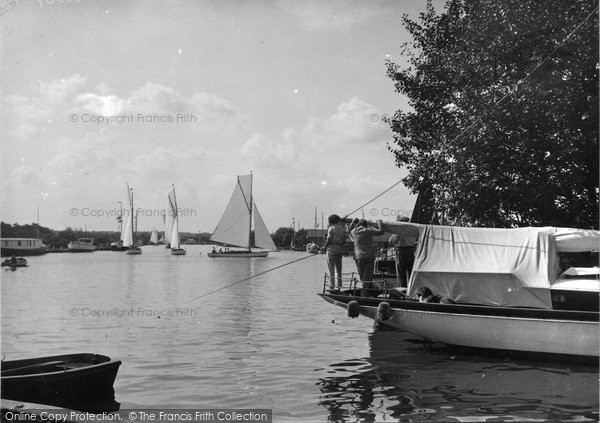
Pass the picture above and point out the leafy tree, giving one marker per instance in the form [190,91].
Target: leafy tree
[503,126]
[283,237]
[301,238]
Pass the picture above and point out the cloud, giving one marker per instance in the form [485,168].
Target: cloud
[103,105]
[263,151]
[332,15]
[351,124]
[61,89]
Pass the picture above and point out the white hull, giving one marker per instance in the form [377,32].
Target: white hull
[75,247]
[542,332]
[240,255]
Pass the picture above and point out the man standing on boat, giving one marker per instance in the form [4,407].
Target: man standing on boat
[362,236]
[404,251]
[336,235]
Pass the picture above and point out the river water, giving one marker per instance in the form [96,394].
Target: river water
[268,342]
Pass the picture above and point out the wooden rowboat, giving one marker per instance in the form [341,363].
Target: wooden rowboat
[76,381]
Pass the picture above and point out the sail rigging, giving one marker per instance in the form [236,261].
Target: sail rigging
[127,234]
[174,238]
[154,237]
[235,226]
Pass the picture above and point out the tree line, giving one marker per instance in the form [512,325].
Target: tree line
[61,238]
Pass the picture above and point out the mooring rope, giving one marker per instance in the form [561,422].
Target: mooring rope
[252,276]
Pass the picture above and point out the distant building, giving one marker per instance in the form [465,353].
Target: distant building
[316,235]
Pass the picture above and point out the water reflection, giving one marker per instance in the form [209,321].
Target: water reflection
[403,378]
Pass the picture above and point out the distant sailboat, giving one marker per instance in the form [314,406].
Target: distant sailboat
[176,249]
[128,238]
[154,237]
[169,221]
[235,226]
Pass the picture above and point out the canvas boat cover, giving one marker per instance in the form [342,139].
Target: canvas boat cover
[491,266]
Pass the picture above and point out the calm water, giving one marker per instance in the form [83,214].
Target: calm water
[265,343]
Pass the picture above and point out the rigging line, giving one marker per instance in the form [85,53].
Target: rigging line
[477,118]
[251,277]
[373,199]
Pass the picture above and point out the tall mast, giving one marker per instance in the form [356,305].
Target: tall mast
[120,219]
[322,228]
[131,202]
[250,221]
[38,222]
[176,217]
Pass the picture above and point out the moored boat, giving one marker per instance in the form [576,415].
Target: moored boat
[312,248]
[82,245]
[15,262]
[498,289]
[235,226]
[76,381]
[22,247]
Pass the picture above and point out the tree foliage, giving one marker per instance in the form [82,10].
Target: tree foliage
[503,126]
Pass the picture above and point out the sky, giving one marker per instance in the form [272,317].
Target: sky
[96,95]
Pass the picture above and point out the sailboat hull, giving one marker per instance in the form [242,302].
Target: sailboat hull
[241,254]
[134,251]
[178,252]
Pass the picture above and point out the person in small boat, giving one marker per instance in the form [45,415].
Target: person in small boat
[220,250]
[362,236]
[336,235]
[404,249]
[214,250]
[13,259]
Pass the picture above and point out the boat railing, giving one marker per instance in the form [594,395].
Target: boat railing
[351,285]
[349,281]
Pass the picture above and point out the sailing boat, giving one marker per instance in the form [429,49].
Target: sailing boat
[235,226]
[313,247]
[128,238]
[176,249]
[154,237]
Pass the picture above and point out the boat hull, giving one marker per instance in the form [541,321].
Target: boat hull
[178,252]
[19,263]
[240,255]
[81,248]
[134,251]
[499,328]
[38,251]
[84,383]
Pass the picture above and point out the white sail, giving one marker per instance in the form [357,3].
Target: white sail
[174,238]
[127,235]
[234,226]
[123,229]
[175,234]
[169,219]
[127,232]
[154,236]
[262,238]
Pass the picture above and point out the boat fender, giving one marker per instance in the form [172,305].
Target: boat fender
[384,311]
[353,309]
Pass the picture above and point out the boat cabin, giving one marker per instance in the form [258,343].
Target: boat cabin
[517,267]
